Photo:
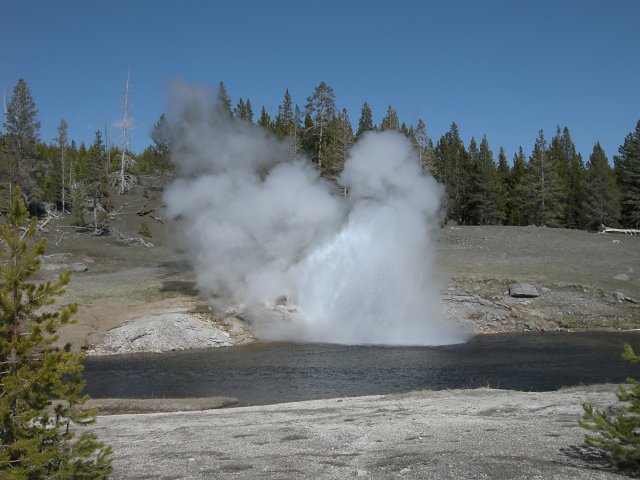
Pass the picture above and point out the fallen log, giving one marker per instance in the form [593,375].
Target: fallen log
[625,231]
[51,215]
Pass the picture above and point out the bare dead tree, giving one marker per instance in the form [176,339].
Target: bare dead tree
[126,181]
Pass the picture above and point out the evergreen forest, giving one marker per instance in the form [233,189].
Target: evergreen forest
[553,185]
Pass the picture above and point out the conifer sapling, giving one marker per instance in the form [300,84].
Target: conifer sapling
[40,385]
[617,435]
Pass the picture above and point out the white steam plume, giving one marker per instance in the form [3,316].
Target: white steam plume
[258,225]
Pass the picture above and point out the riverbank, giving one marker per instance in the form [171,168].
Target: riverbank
[455,434]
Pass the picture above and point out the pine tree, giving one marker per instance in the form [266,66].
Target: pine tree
[80,164]
[48,173]
[576,200]
[287,124]
[284,119]
[342,133]
[390,120]
[298,132]
[365,123]
[224,102]
[616,434]
[240,111]
[503,166]
[452,169]
[322,109]
[503,187]
[544,196]
[248,115]
[22,136]
[627,168]
[484,195]
[161,137]
[308,141]
[411,133]
[424,145]
[96,182]
[161,149]
[77,204]
[243,110]
[557,156]
[474,201]
[571,178]
[265,120]
[602,195]
[576,197]
[517,191]
[36,438]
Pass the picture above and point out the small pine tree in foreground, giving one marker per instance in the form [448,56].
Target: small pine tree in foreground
[617,435]
[40,386]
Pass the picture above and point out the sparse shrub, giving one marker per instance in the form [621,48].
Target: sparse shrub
[143,228]
[617,433]
[37,440]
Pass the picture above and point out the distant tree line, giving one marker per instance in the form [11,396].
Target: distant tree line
[64,175]
[552,186]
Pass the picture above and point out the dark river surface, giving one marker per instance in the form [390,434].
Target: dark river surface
[265,373]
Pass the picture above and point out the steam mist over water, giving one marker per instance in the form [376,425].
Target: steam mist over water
[258,225]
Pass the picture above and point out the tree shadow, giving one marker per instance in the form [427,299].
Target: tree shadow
[594,459]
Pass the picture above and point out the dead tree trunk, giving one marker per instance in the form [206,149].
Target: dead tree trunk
[126,182]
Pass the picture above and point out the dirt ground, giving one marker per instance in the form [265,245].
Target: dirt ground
[586,280]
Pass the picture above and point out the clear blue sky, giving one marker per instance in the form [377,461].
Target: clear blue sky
[501,68]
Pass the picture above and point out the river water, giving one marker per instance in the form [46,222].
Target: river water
[265,373]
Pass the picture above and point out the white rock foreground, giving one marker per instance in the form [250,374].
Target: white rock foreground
[457,434]
[161,333]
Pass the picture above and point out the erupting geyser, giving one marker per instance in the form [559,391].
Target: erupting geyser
[259,225]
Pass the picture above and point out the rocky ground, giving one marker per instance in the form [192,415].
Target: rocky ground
[586,281]
[457,434]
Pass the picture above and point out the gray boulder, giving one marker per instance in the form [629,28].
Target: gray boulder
[79,267]
[523,290]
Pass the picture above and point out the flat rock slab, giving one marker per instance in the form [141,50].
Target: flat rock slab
[523,290]
[457,434]
[117,406]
